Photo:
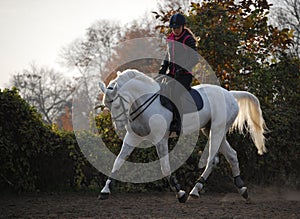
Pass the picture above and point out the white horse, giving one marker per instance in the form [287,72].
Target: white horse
[222,110]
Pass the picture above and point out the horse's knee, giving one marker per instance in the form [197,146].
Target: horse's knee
[210,164]
[216,160]
[165,166]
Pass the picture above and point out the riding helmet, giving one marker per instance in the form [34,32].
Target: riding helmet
[177,20]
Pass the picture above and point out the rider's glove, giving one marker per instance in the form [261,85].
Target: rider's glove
[163,70]
[179,72]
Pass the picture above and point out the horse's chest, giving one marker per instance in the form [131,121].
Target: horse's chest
[140,129]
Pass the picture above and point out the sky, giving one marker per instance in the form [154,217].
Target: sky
[34,31]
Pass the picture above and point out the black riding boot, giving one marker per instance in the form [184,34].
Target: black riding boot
[176,123]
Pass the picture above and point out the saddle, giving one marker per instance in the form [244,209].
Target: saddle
[191,101]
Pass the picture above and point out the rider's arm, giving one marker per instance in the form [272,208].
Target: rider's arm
[164,65]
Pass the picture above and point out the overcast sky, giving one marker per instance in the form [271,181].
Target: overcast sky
[36,30]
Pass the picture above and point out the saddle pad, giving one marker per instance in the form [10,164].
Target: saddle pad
[191,102]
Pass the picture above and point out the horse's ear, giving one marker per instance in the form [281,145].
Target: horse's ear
[111,92]
[114,90]
[102,87]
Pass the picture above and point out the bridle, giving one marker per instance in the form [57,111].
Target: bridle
[122,100]
[136,113]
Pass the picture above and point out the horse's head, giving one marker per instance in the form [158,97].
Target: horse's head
[121,92]
[116,103]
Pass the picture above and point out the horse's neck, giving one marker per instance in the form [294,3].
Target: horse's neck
[138,88]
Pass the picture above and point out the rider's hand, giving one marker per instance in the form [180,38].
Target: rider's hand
[163,70]
[179,72]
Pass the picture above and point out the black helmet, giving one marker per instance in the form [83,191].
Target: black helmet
[177,20]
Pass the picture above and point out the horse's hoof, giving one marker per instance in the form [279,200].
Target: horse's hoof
[195,191]
[245,195]
[193,196]
[183,198]
[244,192]
[103,196]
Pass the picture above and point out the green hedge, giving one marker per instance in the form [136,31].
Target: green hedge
[35,156]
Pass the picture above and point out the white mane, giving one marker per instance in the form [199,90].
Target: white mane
[127,75]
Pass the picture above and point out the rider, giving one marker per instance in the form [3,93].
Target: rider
[179,38]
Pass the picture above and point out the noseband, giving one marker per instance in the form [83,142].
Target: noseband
[138,111]
[122,100]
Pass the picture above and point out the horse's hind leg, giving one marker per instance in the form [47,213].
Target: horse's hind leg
[215,137]
[203,159]
[201,181]
[231,156]
[180,194]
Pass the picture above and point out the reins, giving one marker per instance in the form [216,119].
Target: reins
[150,100]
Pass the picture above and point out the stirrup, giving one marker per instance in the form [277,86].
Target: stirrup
[173,135]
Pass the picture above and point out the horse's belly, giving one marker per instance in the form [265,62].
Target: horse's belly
[194,121]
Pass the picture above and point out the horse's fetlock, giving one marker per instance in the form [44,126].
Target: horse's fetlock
[201,180]
[238,182]
[174,183]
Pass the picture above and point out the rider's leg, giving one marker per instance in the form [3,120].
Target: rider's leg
[175,125]
[178,90]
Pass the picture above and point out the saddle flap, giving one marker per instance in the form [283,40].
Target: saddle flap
[191,102]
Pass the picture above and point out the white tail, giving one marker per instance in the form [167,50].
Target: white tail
[250,117]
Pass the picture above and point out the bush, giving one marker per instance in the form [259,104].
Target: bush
[33,155]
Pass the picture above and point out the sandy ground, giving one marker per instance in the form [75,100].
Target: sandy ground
[264,203]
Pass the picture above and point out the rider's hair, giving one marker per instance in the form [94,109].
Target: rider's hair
[192,34]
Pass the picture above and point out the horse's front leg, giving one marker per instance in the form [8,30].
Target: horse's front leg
[163,154]
[126,150]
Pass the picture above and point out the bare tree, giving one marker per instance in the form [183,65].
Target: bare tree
[286,14]
[89,56]
[91,53]
[45,89]
[176,5]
